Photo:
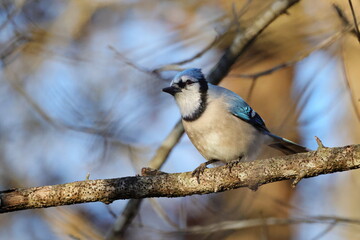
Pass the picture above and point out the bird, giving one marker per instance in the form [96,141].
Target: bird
[220,124]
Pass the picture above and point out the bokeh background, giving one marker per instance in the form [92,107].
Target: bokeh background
[80,93]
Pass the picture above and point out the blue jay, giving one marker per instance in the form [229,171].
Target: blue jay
[220,124]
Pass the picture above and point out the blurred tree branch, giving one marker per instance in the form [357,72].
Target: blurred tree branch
[323,44]
[246,174]
[332,221]
[355,21]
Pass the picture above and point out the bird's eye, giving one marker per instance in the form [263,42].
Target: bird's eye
[188,82]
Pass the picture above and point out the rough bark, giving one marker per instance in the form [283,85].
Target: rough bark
[245,174]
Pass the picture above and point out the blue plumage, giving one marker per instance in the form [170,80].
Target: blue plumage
[192,72]
[242,110]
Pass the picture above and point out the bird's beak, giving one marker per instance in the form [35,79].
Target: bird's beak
[172,90]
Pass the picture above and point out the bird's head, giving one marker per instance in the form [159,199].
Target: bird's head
[189,88]
[189,81]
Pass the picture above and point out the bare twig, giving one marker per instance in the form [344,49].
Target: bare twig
[162,213]
[349,88]
[241,41]
[15,44]
[326,230]
[175,65]
[341,14]
[271,70]
[14,83]
[9,15]
[167,145]
[323,44]
[135,66]
[236,17]
[257,222]
[319,143]
[103,132]
[355,31]
[345,20]
[219,179]
[130,211]
[355,21]
[243,10]
[132,207]
[251,90]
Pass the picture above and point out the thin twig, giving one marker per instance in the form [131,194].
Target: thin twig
[341,14]
[186,39]
[345,21]
[355,32]
[130,211]
[162,213]
[271,70]
[355,21]
[14,45]
[135,66]
[244,9]
[103,132]
[132,207]
[319,143]
[175,66]
[354,104]
[251,90]
[258,222]
[235,17]
[326,230]
[323,44]
[14,83]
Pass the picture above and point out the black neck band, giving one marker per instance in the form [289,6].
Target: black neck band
[203,103]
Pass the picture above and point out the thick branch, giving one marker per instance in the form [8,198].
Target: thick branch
[246,174]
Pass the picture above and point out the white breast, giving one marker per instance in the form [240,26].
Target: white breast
[218,134]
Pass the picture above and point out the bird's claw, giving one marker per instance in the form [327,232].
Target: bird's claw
[198,171]
[232,163]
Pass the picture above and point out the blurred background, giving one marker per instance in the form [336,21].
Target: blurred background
[80,92]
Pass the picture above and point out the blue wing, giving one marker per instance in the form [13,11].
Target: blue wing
[242,110]
[239,108]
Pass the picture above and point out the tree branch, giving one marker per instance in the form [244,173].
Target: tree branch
[245,174]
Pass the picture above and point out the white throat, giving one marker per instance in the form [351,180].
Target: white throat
[188,102]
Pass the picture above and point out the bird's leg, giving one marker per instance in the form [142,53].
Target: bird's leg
[200,169]
[232,163]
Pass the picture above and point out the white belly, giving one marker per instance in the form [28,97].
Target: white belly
[222,136]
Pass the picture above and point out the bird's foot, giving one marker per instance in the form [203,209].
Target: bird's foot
[146,171]
[200,169]
[233,163]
